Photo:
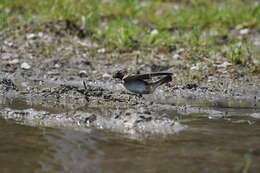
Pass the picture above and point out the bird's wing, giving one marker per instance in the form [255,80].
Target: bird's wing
[148,75]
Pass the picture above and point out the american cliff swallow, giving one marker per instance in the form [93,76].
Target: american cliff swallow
[138,84]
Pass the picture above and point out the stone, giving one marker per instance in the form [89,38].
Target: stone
[25,66]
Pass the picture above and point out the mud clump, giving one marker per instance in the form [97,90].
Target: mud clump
[7,84]
[135,125]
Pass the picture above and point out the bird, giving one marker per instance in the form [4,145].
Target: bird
[137,83]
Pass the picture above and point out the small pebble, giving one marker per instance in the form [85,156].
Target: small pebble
[176,56]
[25,66]
[244,31]
[57,65]
[196,66]
[154,32]
[107,76]
[40,34]
[83,73]
[30,36]
[14,61]
[255,115]
[102,50]
[224,65]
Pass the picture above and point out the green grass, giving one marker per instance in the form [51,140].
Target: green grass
[247,162]
[129,24]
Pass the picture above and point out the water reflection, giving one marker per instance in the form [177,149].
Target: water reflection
[208,146]
[31,149]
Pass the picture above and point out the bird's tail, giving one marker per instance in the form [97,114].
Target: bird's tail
[164,80]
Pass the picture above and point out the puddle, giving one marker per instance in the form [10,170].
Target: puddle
[207,146]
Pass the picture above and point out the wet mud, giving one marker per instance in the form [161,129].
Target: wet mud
[87,104]
[66,81]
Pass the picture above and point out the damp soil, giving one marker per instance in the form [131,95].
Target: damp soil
[57,87]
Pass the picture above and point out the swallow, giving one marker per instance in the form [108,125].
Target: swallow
[138,84]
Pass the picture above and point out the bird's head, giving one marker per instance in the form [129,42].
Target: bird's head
[121,74]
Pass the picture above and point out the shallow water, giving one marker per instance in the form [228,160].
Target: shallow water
[208,145]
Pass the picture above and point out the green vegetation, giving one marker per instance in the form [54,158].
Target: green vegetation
[201,26]
[247,162]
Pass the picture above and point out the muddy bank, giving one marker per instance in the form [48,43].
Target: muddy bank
[42,75]
[107,106]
